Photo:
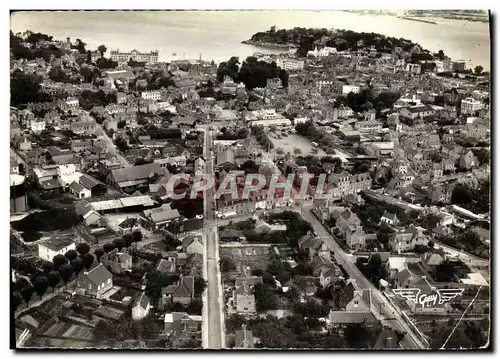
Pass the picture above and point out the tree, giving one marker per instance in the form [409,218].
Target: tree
[47,267]
[199,285]
[71,255]
[440,55]
[58,261]
[27,293]
[226,264]
[462,195]
[25,88]
[80,46]
[54,278]
[122,144]
[108,247]
[297,151]
[40,283]
[99,252]
[66,271]
[445,272]
[478,70]
[16,299]
[83,248]
[356,335]
[265,297]
[119,243]
[102,49]
[88,259]
[136,236]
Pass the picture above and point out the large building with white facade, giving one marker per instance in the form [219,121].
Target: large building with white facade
[290,64]
[349,88]
[49,249]
[151,95]
[470,105]
[267,118]
[149,57]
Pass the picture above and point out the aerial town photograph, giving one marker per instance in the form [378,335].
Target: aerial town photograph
[250,180]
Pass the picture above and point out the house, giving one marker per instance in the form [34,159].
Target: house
[352,306]
[166,265]
[244,300]
[468,160]
[49,249]
[404,278]
[95,282]
[117,262]
[161,217]
[184,331]
[141,308]
[130,177]
[356,239]
[389,218]
[406,240]
[79,191]
[244,338]
[330,275]
[431,260]
[96,188]
[193,321]
[192,244]
[182,292]
[387,339]
[263,227]
[225,159]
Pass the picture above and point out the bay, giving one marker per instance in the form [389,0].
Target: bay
[217,35]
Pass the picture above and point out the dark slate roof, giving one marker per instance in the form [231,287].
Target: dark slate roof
[56,244]
[387,339]
[99,275]
[390,216]
[89,181]
[137,172]
[185,288]
[77,187]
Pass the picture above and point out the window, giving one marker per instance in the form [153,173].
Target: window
[356,302]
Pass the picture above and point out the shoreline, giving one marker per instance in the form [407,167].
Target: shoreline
[267,44]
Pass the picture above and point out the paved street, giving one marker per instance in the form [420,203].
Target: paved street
[382,308]
[111,146]
[214,314]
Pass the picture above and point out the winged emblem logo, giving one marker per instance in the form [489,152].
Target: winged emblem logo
[428,299]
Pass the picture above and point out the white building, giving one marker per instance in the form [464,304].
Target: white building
[414,68]
[151,95]
[266,118]
[79,191]
[67,174]
[470,105]
[349,88]
[49,249]
[121,57]
[37,126]
[322,83]
[290,64]
[141,309]
[300,120]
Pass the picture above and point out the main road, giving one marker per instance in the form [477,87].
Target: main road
[214,312]
[111,146]
[382,307]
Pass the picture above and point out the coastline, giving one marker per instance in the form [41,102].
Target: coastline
[267,44]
